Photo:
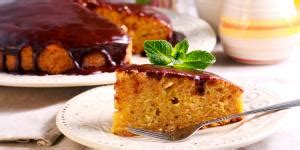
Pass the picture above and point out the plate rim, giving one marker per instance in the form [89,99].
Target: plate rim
[69,80]
[245,142]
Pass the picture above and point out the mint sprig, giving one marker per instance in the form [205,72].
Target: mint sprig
[161,52]
[143,1]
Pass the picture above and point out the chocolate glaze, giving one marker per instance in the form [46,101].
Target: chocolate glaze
[37,23]
[158,72]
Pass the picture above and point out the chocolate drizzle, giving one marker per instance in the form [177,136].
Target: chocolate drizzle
[158,72]
[38,23]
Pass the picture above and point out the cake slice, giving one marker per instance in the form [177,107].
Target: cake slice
[164,99]
[143,22]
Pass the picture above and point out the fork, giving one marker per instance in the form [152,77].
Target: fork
[185,133]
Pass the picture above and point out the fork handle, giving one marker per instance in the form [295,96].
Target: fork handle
[279,106]
[275,107]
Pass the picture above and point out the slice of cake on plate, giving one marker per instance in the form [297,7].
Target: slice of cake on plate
[174,95]
[164,99]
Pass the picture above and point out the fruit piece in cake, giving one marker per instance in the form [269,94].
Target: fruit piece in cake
[143,22]
[58,37]
[164,98]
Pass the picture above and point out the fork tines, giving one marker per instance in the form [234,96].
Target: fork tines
[148,133]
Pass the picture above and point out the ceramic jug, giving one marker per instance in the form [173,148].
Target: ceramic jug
[259,31]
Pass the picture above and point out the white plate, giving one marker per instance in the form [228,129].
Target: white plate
[87,119]
[198,32]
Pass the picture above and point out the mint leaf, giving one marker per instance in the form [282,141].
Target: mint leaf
[143,1]
[198,59]
[158,51]
[180,49]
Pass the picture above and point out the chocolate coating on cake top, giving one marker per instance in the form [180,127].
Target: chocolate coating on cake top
[37,23]
[166,71]
[158,72]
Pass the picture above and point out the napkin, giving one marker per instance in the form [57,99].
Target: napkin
[28,114]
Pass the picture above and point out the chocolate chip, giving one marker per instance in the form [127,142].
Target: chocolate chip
[175,100]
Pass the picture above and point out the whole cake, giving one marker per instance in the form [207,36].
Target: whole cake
[164,99]
[58,37]
[143,22]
